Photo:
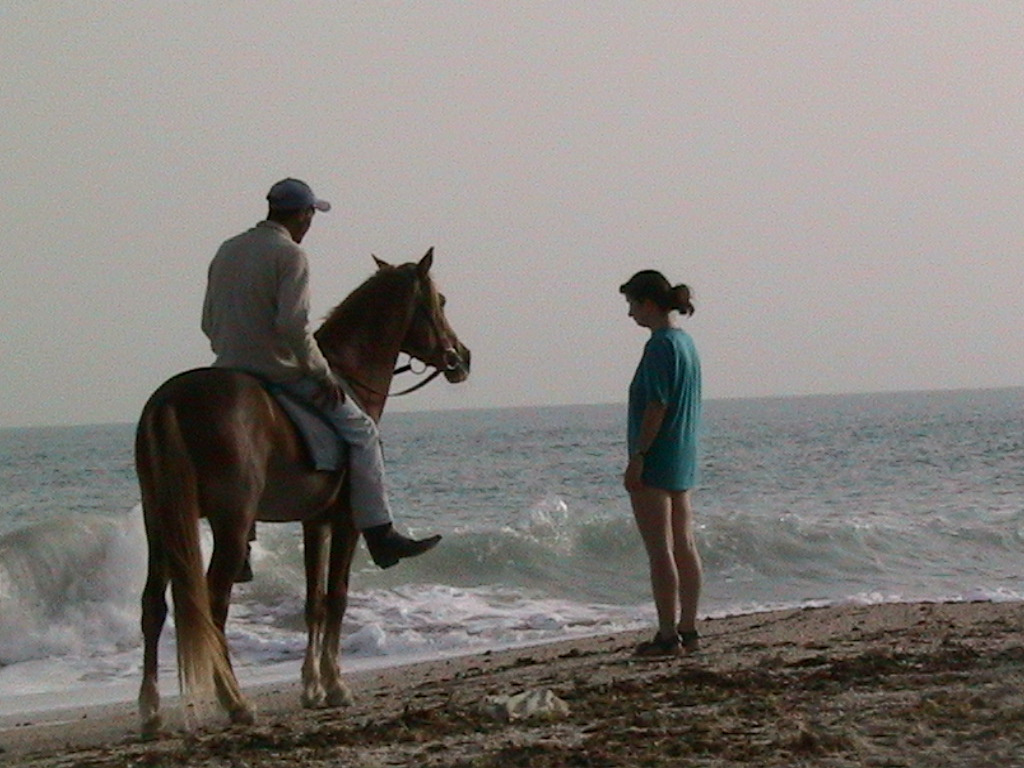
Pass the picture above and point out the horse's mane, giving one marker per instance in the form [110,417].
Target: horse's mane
[379,289]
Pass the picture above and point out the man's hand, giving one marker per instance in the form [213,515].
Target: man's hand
[330,394]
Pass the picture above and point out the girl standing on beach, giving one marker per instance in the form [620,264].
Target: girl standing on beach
[664,411]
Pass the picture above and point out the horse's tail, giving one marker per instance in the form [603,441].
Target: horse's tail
[203,665]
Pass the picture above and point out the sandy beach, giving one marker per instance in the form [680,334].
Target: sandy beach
[886,685]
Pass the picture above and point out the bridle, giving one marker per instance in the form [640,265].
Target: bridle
[451,358]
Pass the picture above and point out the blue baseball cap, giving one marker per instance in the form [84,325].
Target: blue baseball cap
[294,195]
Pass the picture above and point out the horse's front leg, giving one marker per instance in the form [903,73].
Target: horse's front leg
[344,538]
[316,540]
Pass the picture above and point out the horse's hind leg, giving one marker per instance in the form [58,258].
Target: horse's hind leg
[229,545]
[154,614]
[344,538]
[316,539]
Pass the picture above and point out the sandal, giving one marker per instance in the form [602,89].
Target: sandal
[659,647]
[690,641]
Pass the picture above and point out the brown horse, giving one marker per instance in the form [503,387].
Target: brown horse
[212,443]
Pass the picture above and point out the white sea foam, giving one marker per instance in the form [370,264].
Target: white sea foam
[803,502]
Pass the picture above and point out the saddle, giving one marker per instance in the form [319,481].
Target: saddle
[327,451]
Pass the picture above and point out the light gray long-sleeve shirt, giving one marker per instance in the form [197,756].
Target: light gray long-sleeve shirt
[256,310]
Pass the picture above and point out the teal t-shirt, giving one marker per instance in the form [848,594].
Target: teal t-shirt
[669,373]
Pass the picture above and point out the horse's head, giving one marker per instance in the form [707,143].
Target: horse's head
[429,338]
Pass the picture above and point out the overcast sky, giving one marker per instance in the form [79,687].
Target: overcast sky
[839,182]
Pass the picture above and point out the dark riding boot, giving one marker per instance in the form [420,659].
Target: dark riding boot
[387,546]
[245,573]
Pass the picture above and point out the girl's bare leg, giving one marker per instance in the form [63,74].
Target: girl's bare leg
[687,559]
[652,509]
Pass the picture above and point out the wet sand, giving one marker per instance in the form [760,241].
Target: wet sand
[892,685]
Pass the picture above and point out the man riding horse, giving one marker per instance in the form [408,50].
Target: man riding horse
[256,314]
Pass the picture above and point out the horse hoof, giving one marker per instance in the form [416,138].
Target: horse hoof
[243,715]
[340,697]
[151,726]
[313,700]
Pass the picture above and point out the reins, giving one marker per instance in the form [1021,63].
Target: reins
[401,369]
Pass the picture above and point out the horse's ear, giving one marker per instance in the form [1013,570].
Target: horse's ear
[426,262]
[381,264]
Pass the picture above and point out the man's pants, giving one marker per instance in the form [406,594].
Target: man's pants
[366,461]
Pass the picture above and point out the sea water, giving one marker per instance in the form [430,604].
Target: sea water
[802,501]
